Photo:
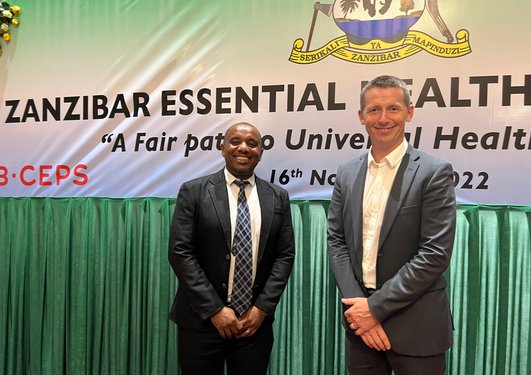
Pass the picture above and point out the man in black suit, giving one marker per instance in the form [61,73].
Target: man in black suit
[391,231]
[226,301]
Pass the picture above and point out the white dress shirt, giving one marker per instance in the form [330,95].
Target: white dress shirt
[378,184]
[251,194]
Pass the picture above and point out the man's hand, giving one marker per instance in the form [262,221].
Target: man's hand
[359,315]
[376,338]
[226,322]
[251,320]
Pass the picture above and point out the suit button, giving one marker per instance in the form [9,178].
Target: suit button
[227,256]
[224,286]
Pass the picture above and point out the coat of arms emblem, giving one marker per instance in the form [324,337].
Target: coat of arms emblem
[379,31]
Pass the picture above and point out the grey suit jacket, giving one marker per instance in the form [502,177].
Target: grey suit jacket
[415,247]
[199,249]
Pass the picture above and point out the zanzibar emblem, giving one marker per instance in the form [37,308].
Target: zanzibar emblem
[379,31]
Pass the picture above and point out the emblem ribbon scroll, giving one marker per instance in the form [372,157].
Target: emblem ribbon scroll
[378,52]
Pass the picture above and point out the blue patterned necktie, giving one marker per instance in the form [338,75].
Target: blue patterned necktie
[242,249]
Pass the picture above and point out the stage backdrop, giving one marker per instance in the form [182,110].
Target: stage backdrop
[123,98]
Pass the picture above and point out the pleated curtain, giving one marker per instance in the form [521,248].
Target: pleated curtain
[85,288]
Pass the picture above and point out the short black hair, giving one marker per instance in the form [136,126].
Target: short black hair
[244,123]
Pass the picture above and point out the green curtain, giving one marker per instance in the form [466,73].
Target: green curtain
[490,291]
[85,288]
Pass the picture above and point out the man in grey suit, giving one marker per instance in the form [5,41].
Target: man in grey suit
[232,248]
[391,229]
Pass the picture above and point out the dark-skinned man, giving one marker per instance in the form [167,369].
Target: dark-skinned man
[232,248]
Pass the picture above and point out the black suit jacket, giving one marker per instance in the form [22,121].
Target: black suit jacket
[415,247]
[199,249]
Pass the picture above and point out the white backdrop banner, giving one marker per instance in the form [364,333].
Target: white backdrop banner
[125,99]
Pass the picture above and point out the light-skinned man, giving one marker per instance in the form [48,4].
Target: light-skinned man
[391,230]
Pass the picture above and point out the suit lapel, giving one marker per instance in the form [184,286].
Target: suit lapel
[267,204]
[403,180]
[220,199]
[356,194]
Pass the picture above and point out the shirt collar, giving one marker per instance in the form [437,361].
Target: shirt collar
[394,158]
[230,178]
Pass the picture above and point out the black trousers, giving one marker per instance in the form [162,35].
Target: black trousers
[362,360]
[205,353]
